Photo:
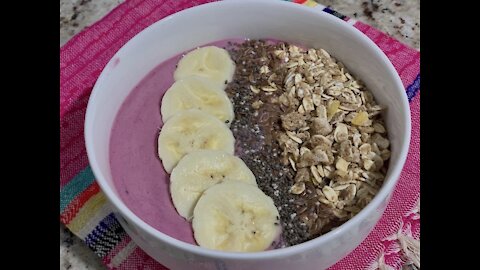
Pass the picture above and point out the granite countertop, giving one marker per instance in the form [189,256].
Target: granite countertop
[398,18]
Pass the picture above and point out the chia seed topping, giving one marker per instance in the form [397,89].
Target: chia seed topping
[255,135]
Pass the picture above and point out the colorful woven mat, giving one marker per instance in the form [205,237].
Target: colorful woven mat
[84,209]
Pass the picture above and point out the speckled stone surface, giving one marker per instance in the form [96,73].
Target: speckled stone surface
[75,15]
[75,255]
[399,18]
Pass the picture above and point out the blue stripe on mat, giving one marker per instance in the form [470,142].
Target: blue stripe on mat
[413,88]
[106,235]
[78,184]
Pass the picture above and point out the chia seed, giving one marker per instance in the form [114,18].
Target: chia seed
[255,133]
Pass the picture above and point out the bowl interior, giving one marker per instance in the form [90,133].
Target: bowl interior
[195,27]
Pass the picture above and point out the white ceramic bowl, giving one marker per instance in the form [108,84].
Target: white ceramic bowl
[253,19]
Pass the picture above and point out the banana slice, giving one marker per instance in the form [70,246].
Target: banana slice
[200,93]
[199,170]
[192,130]
[210,62]
[235,216]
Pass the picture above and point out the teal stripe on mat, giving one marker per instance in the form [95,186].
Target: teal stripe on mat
[78,184]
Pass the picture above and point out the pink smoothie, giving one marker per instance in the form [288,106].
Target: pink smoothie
[138,174]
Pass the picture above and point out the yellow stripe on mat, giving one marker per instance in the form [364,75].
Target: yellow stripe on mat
[310,3]
[99,215]
[86,212]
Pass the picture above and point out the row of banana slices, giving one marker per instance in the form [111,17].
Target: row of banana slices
[208,184]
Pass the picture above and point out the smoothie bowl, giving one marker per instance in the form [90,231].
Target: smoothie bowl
[248,135]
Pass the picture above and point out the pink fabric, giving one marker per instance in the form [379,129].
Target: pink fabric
[84,56]
[405,59]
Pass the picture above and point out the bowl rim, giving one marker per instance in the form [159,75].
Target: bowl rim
[386,189]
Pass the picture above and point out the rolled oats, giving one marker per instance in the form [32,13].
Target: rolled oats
[264,69]
[332,135]
[300,92]
[294,137]
[328,170]
[366,129]
[341,173]
[302,175]
[304,150]
[293,121]
[385,154]
[308,103]
[254,89]
[321,126]
[292,64]
[315,174]
[321,141]
[349,107]
[338,117]
[257,104]
[340,187]
[357,139]
[375,148]
[340,213]
[297,78]
[301,109]
[378,161]
[380,141]
[350,192]
[330,194]
[367,164]
[297,188]
[317,100]
[292,163]
[269,88]
[342,164]
[283,99]
[379,128]
[365,136]
[365,149]
[320,171]
[312,56]
[341,133]
[323,53]
[323,200]
[321,155]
